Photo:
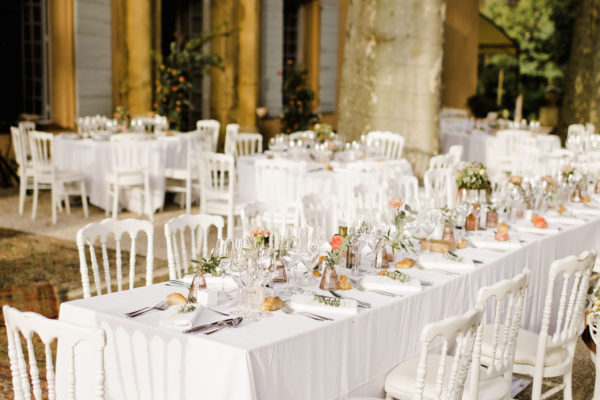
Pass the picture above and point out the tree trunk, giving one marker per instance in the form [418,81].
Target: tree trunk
[581,100]
[391,75]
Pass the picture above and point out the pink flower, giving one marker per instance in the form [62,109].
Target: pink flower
[396,203]
[259,231]
[336,242]
[515,180]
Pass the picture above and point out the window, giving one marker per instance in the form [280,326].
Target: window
[34,59]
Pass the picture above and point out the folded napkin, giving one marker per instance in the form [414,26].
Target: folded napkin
[303,302]
[564,220]
[436,260]
[584,209]
[528,227]
[385,283]
[489,242]
[173,319]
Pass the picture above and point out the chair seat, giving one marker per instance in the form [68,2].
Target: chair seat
[221,207]
[527,343]
[180,173]
[401,382]
[61,176]
[130,178]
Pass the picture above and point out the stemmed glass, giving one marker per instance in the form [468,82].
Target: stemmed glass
[223,249]
[310,258]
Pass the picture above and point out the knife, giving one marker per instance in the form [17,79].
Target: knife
[199,328]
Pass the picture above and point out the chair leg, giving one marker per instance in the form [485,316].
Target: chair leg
[536,387]
[54,200]
[22,193]
[35,198]
[115,207]
[188,196]
[107,203]
[597,384]
[66,197]
[148,198]
[230,225]
[84,199]
[568,390]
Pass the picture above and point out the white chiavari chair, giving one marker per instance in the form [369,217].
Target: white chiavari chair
[211,129]
[456,152]
[231,131]
[320,212]
[28,325]
[62,183]
[246,144]
[437,376]
[369,201]
[194,141]
[593,323]
[198,227]
[550,354]
[217,187]
[102,232]
[496,342]
[441,161]
[389,144]
[439,186]
[128,171]
[275,217]
[25,169]
[280,181]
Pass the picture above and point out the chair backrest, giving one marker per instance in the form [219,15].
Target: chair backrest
[245,144]
[198,226]
[456,152]
[459,331]
[320,212]
[196,142]
[68,335]
[20,145]
[125,152]
[272,216]
[504,303]
[568,314]
[286,176]
[231,131]
[211,128]
[441,161]
[439,187]
[390,144]
[41,145]
[102,231]
[369,201]
[217,177]
[406,187]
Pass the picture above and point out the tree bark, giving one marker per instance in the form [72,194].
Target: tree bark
[391,75]
[581,100]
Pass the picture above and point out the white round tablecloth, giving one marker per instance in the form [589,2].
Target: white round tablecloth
[93,159]
[474,145]
[339,181]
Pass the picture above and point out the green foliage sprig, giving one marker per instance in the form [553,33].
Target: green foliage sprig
[209,265]
[473,176]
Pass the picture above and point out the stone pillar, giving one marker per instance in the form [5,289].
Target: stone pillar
[391,77]
[461,48]
[62,63]
[248,63]
[139,63]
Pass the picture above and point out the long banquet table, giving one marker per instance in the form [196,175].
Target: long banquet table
[292,357]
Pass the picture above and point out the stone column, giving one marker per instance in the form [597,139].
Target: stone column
[391,77]
[248,62]
[139,63]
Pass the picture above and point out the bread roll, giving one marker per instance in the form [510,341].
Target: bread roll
[273,303]
[176,298]
[343,283]
[405,264]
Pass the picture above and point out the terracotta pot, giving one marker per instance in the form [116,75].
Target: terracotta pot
[576,197]
[198,283]
[448,233]
[280,274]
[329,278]
[491,219]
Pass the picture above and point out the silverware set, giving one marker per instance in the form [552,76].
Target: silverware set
[360,303]
[214,327]
[161,306]
[289,310]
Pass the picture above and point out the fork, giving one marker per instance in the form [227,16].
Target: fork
[161,306]
[289,310]
[234,324]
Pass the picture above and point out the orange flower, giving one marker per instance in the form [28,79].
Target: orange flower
[540,222]
[182,79]
[396,203]
[174,89]
[336,242]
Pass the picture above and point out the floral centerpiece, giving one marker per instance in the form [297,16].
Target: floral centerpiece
[403,214]
[473,176]
[323,132]
[333,257]
[122,116]
[259,237]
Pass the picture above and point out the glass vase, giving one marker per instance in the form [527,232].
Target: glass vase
[329,278]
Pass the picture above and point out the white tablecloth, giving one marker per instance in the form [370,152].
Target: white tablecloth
[93,159]
[474,144]
[292,357]
[340,181]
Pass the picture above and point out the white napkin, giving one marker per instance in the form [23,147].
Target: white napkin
[303,302]
[583,209]
[214,282]
[173,319]
[566,220]
[528,227]
[381,282]
[489,242]
[436,260]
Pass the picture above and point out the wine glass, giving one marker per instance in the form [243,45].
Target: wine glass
[310,258]
[223,249]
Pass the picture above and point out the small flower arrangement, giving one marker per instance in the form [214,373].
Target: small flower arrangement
[261,235]
[326,300]
[338,245]
[397,276]
[209,265]
[186,308]
[473,176]
[516,180]
[323,132]
[398,241]
[121,113]
[403,214]
[566,171]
